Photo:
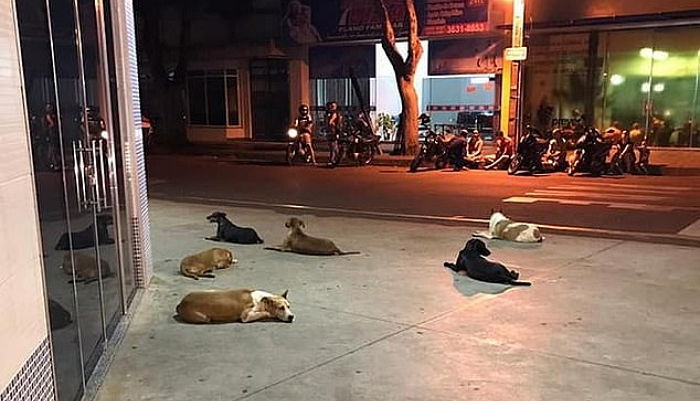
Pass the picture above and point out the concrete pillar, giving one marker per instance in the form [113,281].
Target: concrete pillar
[299,82]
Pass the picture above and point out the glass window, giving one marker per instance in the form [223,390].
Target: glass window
[232,99]
[213,98]
[197,105]
[673,105]
[627,83]
[216,102]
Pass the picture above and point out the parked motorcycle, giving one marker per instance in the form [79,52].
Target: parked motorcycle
[529,152]
[590,154]
[432,149]
[297,147]
[361,149]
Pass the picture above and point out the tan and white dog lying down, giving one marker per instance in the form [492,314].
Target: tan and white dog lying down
[501,227]
[298,242]
[202,264]
[86,270]
[233,306]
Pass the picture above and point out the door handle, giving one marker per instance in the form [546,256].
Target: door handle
[91,175]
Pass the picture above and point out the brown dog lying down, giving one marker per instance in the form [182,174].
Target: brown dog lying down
[233,306]
[203,263]
[298,242]
[85,267]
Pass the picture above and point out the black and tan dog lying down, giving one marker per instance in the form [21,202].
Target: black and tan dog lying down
[471,262]
[298,242]
[226,231]
[233,306]
[202,264]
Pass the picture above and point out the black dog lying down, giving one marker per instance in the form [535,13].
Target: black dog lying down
[86,238]
[471,261]
[226,231]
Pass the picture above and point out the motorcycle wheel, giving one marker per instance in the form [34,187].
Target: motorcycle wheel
[440,163]
[367,157]
[291,153]
[515,164]
[415,163]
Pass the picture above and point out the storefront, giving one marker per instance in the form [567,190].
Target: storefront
[73,163]
[639,70]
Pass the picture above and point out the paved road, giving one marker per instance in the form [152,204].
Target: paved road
[659,205]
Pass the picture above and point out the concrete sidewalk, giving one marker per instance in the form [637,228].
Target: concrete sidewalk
[604,319]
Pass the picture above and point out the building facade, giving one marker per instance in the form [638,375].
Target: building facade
[625,62]
[73,163]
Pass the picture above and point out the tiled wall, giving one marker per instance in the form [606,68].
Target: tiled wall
[23,329]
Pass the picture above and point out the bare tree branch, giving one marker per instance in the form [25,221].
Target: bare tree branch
[389,38]
[415,49]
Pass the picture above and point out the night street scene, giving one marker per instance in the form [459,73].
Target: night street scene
[350,200]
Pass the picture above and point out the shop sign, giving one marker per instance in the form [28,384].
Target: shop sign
[309,22]
[515,53]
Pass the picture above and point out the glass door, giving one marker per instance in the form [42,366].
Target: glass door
[68,86]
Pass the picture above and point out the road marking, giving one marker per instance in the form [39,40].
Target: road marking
[564,230]
[613,205]
[654,190]
[693,230]
[634,186]
[545,192]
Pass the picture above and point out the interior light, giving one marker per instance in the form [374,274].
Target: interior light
[658,87]
[104,135]
[660,55]
[617,79]
[479,80]
[645,87]
[646,52]
[667,113]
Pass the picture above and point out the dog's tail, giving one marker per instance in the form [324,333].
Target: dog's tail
[349,253]
[521,283]
[270,248]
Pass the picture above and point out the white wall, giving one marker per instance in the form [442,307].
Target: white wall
[22,311]
[388,100]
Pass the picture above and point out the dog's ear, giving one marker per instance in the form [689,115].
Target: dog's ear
[284,294]
[286,223]
[482,249]
[302,224]
[221,214]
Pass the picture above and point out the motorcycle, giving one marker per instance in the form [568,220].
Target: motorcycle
[590,154]
[529,152]
[359,148]
[432,149]
[297,147]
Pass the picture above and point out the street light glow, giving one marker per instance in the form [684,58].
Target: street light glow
[648,52]
[659,87]
[645,87]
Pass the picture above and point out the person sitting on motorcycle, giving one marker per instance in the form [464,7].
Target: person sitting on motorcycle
[334,125]
[504,151]
[474,149]
[555,154]
[305,125]
[455,149]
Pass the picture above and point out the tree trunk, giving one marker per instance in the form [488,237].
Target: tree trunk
[408,125]
[405,71]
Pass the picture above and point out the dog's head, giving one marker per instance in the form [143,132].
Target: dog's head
[216,217]
[477,246]
[278,307]
[294,222]
[496,217]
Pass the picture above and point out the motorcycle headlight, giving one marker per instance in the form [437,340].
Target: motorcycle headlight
[292,133]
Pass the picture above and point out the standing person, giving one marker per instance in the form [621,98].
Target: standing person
[305,126]
[49,122]
[334,125]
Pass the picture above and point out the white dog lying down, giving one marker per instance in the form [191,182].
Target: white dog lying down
[501,227]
